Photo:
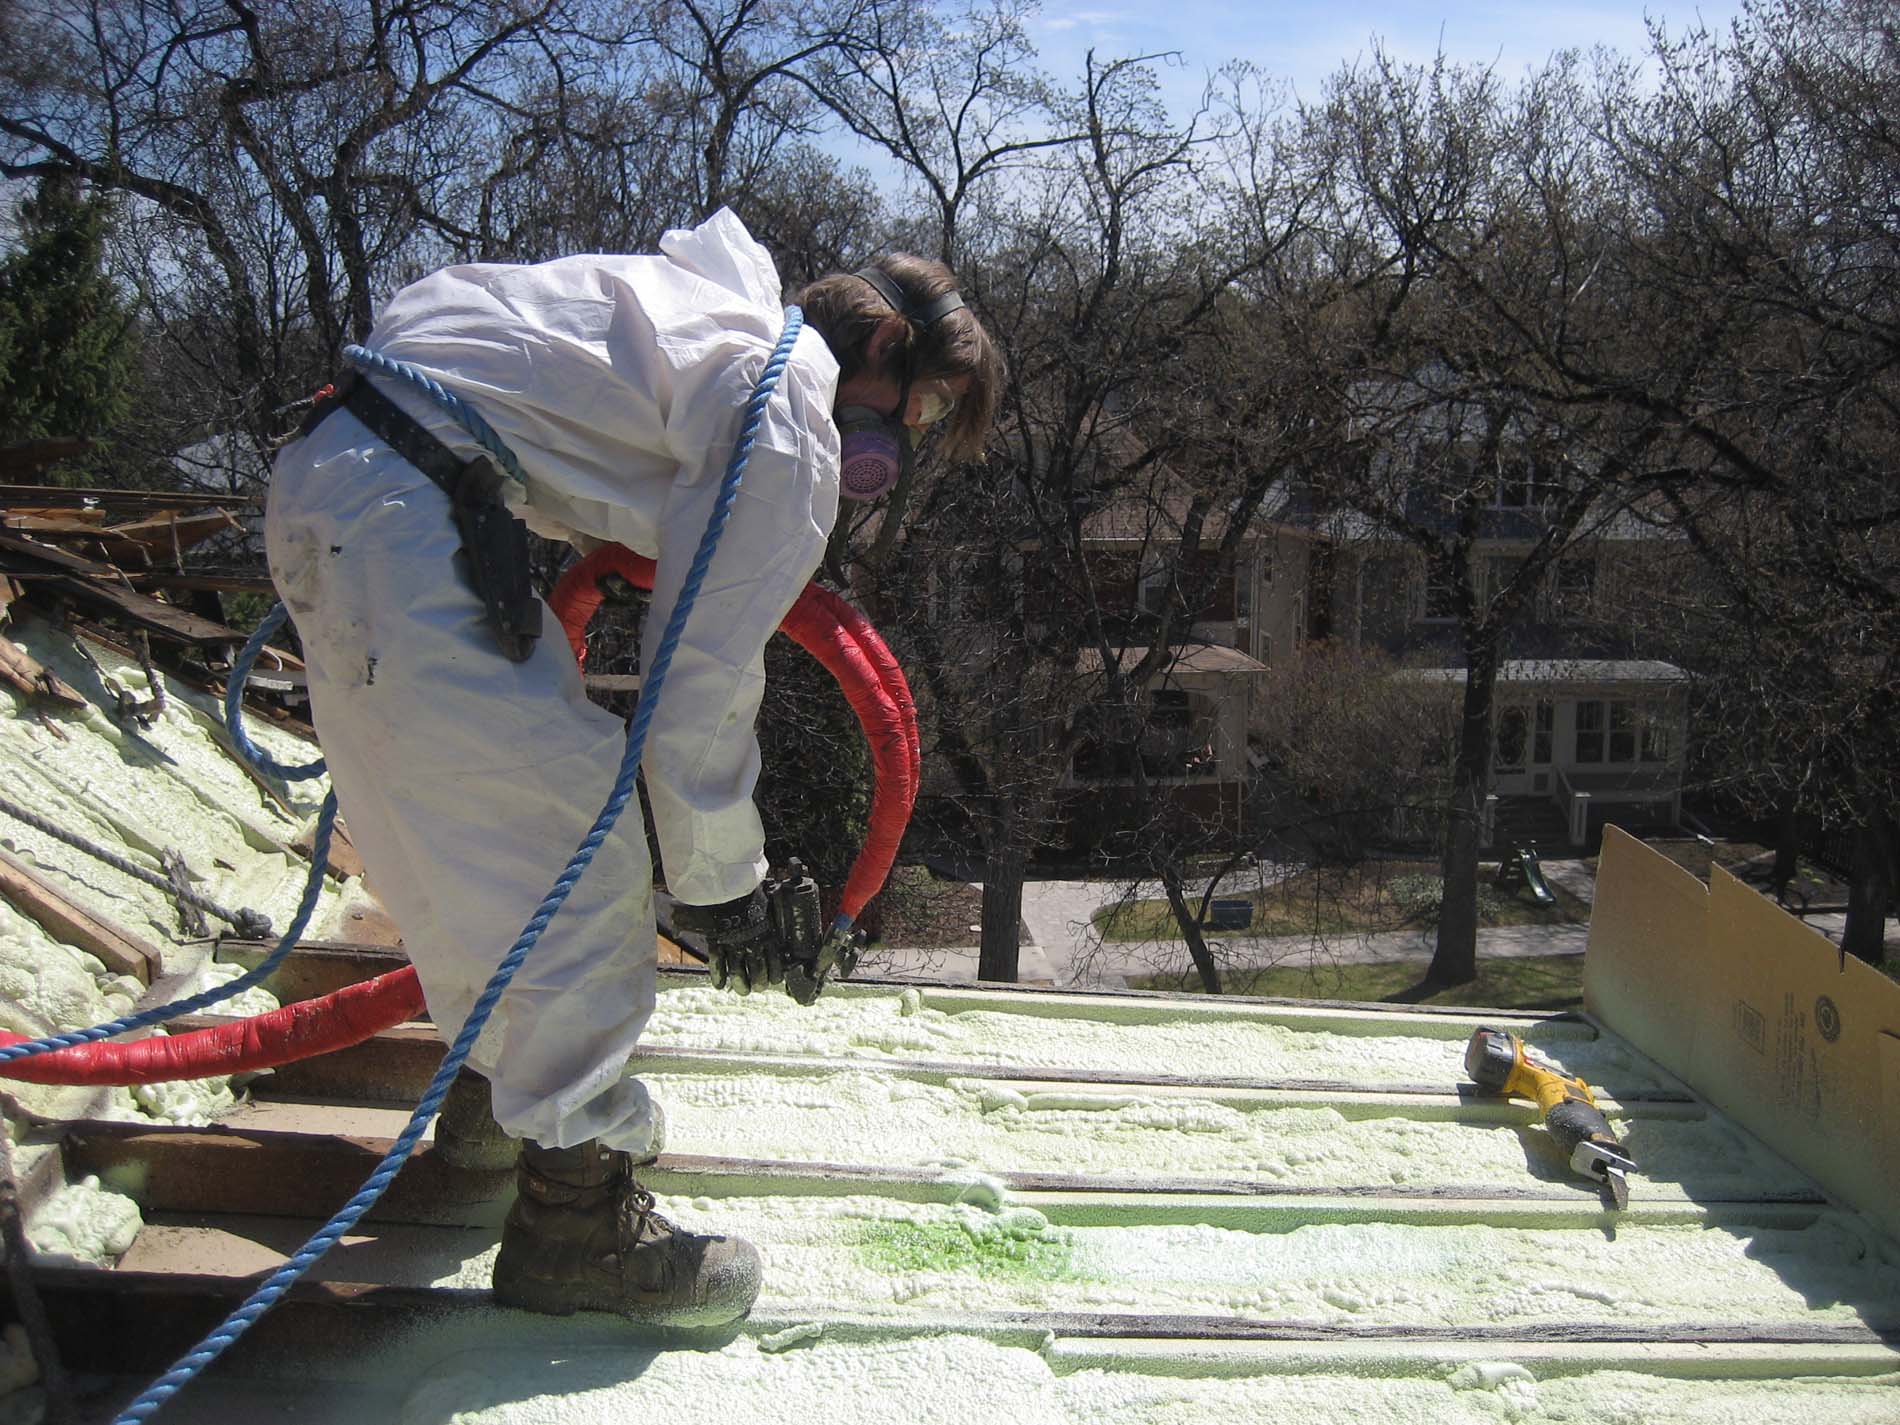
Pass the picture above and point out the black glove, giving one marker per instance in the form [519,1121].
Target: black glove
[742,948]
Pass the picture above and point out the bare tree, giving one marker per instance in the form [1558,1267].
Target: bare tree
[1763,283]
[1468,226]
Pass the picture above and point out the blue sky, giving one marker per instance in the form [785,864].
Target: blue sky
[1306,42]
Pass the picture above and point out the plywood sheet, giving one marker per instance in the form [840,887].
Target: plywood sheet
[1758,1013]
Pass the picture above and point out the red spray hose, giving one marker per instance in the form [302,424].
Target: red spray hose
[841,639]
[297,1031]
[833,632]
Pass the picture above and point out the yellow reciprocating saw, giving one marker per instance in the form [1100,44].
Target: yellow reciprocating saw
[1497,1060]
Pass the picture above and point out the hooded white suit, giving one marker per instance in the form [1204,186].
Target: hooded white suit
[468,781]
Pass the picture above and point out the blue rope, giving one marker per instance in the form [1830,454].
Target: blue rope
[234,706]
[465,415]
[326,1237]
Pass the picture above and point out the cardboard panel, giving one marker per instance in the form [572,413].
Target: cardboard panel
[1759,1014]
[1802,1054]
[1645,966]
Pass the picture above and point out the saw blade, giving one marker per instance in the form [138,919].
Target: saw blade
[1607,1163]
[1617,1183]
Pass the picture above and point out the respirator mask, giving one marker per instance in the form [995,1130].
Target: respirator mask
[877,449]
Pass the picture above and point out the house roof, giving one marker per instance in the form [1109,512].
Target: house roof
[1565,672]
[1293,506]
[1188,658]
[975,1203]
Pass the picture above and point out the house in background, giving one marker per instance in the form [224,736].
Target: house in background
[1192,747]
[1194,718]
[1586,729]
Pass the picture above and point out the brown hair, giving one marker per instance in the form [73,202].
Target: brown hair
[847,310]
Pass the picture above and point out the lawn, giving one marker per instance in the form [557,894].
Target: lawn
[1520,982]
[1750,863]
[1372,896]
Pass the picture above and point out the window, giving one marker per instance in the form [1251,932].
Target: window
[1589,732]
[1441,595]
[1156,584]
[1656,734]
[1513,725]
[1544,732]
[1623,721]
[1622,733]
[1573,584]
[1523,482]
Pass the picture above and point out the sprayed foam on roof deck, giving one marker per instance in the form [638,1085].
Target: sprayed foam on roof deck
[871,1255]
[878,1118]
[1159,1037]
[957,1380]
[853,1252]
[138,791]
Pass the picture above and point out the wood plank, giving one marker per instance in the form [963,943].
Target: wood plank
[314,967]
[390,1067]
[139,541]
[397,1064]
[27,556]
[219,1170]
[26,673]
[1118,1005]
[117,1323]
[63,497]
[258,1170]
[344,861]
[1215,1328]
[202,580]
[64,919]
[1701,1361]
[101,586]
[166,621]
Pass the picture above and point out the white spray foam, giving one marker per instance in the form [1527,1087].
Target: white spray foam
[1167,1041]
[873,1117]
[84,1224]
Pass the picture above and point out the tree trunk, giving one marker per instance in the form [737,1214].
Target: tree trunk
[1190,924]
[1787,847]
[1002,907]
[1455,960]
[1871,893]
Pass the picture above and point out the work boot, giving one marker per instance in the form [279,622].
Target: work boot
[583,1236]
[468,1138]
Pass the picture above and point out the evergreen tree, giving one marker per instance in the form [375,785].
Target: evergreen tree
[65,348]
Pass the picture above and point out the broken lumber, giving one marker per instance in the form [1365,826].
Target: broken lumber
[63,919]
[22,670]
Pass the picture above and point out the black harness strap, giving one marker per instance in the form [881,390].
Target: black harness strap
[398,430]
[494,553]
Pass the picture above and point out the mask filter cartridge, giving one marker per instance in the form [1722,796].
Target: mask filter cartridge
[873,454]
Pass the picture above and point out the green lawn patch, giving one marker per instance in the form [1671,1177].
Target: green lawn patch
[1551,982]
[1353,900]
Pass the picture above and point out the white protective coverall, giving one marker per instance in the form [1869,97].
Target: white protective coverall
[466,780]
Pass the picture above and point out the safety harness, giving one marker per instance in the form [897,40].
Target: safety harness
[493,559]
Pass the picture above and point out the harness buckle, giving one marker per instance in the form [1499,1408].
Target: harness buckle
[495,558]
